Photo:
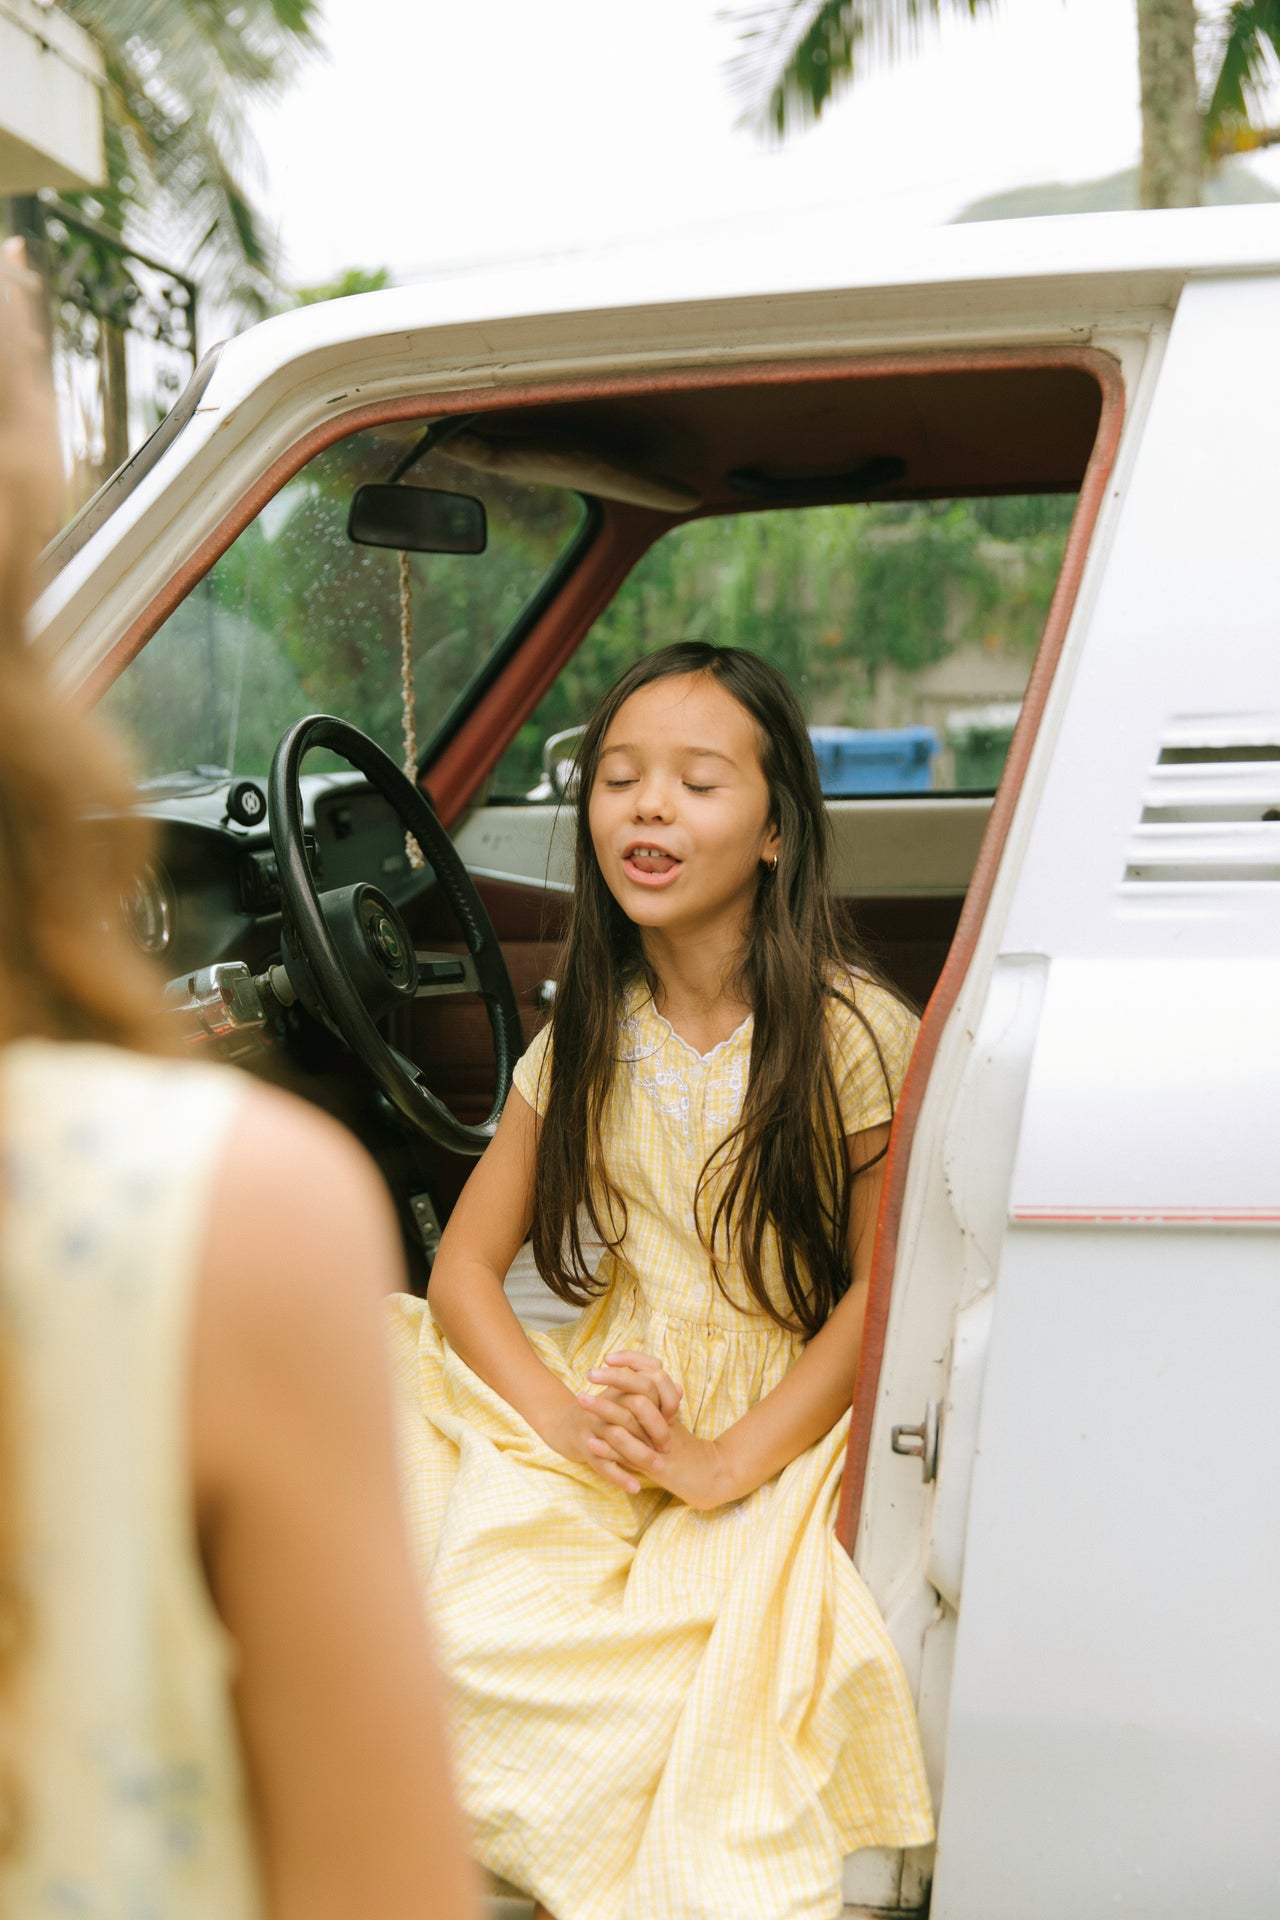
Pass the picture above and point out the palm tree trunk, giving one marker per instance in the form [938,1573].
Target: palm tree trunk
[1172,136]
[114,374]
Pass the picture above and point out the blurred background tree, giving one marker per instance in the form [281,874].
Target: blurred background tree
[858,606]
[1205,73]
[354,280]
[181,76]
[124,265]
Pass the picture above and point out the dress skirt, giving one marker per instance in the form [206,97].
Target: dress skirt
[658,1713]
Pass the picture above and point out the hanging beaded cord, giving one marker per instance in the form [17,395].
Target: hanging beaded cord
[408,704]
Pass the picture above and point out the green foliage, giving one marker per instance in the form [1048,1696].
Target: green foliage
[178,75]
[354,280]
[832,595]
[799,54]
[296,619]
[1248,53]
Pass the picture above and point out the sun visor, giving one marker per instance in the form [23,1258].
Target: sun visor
[570,467]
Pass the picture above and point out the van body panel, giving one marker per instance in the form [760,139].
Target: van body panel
[1148,1070]
[1114,1715]
[1114,1736]
[1154,1095]
[1181,645]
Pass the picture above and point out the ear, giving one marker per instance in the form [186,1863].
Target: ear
[770,844]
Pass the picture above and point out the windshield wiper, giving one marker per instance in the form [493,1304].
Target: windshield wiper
[202,778]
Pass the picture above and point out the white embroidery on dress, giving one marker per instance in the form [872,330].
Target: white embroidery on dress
[668,1090]
[725,1094]
[631,1045]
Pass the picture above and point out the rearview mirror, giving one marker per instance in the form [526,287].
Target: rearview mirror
[417,520]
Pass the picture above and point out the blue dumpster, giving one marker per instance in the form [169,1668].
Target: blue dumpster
[874,759]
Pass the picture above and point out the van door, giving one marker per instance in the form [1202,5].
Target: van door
[1114,1720]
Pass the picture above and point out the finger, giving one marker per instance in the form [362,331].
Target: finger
[637,1413]
[654,1428]
[645,1363]
[608,1411]
[664,1391]
[651,1379]
[633,1411]
[625,1379]
[630,1451]
[608,1467]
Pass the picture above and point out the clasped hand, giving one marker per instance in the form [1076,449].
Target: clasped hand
[633,1431]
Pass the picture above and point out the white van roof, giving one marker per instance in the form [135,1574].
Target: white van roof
[1148,254]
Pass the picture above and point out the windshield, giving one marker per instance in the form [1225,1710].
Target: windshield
[296,619]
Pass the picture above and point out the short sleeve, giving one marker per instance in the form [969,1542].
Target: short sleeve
[868,1081]
[532,1076]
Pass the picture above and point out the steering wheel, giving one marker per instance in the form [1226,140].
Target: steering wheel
[349,955]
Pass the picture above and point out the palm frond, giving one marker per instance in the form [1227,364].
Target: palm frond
[796,55]
[1246,55]
[178,73]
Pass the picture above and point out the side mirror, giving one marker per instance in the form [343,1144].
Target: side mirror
[417,520]
[560,762]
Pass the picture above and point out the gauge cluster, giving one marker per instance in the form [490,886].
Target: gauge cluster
[212,893]
[147,907]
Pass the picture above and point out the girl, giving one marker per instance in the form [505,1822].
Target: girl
[675,1699]
[217,1699]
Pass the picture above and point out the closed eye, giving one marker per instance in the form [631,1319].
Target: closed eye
[693,788]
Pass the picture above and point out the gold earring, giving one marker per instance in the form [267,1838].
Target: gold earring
[773,864]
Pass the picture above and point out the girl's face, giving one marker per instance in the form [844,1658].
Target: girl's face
[679,808]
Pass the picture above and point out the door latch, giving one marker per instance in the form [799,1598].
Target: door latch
[920,1442]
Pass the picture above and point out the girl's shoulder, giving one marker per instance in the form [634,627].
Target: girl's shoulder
[532,1076]
[641,1032]
[872,1035]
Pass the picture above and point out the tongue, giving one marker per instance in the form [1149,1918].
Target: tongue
[653,862]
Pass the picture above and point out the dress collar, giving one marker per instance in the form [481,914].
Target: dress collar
[644,1031]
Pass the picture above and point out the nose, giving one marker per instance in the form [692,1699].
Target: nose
[652,799]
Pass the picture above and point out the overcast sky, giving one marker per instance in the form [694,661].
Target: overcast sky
[434,134]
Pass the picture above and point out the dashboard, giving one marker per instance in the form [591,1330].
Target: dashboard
[211,894]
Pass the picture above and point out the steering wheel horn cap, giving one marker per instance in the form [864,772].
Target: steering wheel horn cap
[373,944]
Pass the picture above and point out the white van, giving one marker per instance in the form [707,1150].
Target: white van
[1062,1481]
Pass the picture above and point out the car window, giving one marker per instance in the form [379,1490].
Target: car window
[907,629]
[296,619]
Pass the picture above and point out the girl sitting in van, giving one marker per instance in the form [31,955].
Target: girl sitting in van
[673,1694]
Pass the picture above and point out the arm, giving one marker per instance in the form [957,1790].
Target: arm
[486,1230]
[298,1520]
[804,1405]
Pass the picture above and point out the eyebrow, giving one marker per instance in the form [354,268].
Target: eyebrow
[693,753]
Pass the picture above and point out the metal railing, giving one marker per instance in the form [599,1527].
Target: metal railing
[121,328]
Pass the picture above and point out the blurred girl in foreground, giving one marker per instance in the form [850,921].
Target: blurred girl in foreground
[215,1696]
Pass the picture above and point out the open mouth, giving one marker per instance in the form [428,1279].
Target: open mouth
[652,866]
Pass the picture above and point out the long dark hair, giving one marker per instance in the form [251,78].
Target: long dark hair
[784,1168]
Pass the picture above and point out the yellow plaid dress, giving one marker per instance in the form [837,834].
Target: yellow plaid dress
[660,1714]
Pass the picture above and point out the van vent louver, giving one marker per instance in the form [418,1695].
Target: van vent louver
[1211,805]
